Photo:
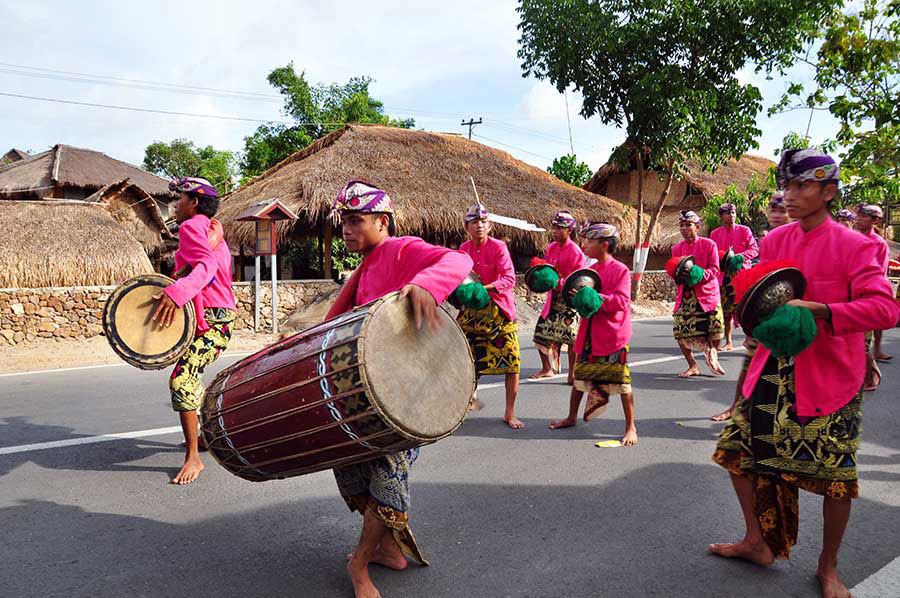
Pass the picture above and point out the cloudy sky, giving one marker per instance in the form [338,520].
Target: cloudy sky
[438,62]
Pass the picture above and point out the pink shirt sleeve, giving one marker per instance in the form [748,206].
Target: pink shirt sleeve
[712,262]
[870,304]
[194,248]
[438,270]
[752,249]
[507,278]
[619,297]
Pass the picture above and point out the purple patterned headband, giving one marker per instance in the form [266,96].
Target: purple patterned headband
[777,200]
[476,212]
[688,216]
[727,207]
[193,185]
[806,165]
[872,210]
[845,214]
[359,196]
[599,230]
[564,219]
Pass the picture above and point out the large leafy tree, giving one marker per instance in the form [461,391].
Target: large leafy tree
[567,168]
[750,202]
[181,157]
[857,79]
[666,72]
[315,110]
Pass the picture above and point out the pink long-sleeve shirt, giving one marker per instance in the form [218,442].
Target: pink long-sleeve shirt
[884,252]
[706,255]
[842,270]
[209,282]
[611,326]
[740,239]
[493,265]
[566,258]
[399,261]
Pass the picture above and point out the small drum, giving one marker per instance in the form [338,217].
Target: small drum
[131,331]
[351,389]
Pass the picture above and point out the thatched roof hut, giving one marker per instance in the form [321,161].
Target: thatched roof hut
[65,243]
[66,172]
[13,155]
[692,191]
[136,210]
[427,176]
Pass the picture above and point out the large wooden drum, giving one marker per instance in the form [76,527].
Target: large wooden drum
[131,331]
[352,389]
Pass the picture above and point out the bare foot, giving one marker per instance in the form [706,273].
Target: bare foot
[541,374]
[475,405]
[392,558]
[189,471]
[883,357]
[721,417]
[691,371]
[714,365]
[832,586]
[630,438]
[513,422]
[362,583]
[760,553]
[558,424]
[729,346]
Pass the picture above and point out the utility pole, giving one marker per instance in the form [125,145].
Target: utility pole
[472,122]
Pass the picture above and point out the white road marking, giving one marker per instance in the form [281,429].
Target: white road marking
[8,450]
[884,583]
[91,367]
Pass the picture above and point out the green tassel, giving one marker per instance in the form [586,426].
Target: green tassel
[788,331]
[480,296]
[587,302]
[735,264]
[694,276]
[545,280]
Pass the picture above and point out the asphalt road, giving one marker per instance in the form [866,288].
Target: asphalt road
[498,512]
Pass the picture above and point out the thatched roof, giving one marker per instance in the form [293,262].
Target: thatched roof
[136,210]
[699,182]
[66,166]
[13,155]
[65,243]
[427,176]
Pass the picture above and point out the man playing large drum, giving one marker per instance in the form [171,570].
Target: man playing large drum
[426,274]
[208,285]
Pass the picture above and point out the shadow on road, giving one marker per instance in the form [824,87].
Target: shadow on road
[644,534]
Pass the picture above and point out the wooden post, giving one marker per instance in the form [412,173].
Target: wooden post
[326,250]
[240,264]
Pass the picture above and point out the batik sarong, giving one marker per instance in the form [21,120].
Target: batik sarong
[694,328]
[186,383]
[382,486]
[727,296]
[494,340]
[781,452]
[558,328]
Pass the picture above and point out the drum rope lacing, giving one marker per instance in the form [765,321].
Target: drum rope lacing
[322,370]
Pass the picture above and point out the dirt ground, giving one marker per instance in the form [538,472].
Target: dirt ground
[47,354]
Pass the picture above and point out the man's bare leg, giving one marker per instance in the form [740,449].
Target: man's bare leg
[373,534]
[879,354]
[546,368]
[572,418]
[631,436]
[729,326]
[692,369]
[512,389]
[571,378]
[836,514]
[753,547]
[712,360]
[192,463]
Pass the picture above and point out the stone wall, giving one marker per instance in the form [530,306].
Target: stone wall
[657,286]
[77,312]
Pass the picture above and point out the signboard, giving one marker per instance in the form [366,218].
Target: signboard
[893,216]
[265,237]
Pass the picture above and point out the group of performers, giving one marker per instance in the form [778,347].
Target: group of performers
[795,421]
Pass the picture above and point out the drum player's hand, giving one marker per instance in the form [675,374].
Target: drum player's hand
[165,312]
[423,306]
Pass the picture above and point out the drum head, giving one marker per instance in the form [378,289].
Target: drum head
[419,381]
[131,332]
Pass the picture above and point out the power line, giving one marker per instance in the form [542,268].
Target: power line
[471,124]
[518,149]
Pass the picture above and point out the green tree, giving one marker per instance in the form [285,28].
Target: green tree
[751,203]
[316,110]
[567,168]
[182,158]
[857,79]
[666,72]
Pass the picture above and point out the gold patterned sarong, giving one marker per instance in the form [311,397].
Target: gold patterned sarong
[494,340]
[694,328]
